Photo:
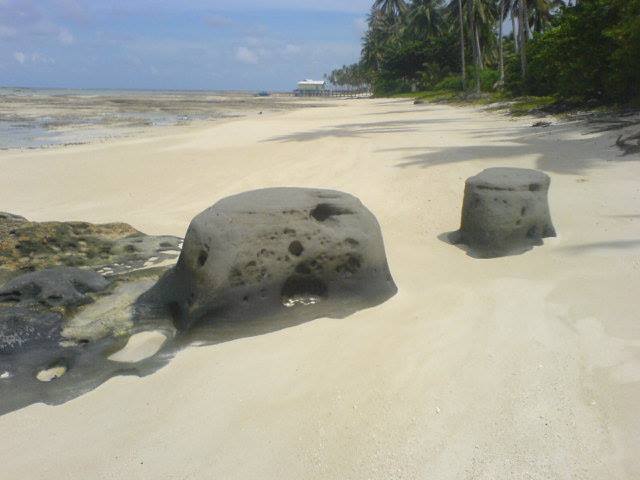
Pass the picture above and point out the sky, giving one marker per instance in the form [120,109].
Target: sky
[176,44]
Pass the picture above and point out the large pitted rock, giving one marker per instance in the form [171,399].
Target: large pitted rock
[275,249]
[505,211]
[54,287]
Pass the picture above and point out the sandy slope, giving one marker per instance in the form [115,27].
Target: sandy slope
[525,367]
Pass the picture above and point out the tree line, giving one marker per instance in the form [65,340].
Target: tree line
[571,49]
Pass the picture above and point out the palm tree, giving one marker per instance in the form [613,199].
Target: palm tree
[425,16]
[522,29]
[500,39]
[541,13]
[381,28]
[464,68]
[481,18]
[532,15]
[392,8]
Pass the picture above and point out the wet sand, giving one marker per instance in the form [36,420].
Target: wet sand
[517,367]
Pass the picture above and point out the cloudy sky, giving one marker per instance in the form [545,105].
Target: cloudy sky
[176,44]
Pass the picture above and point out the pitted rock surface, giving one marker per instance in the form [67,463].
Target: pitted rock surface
[505,211]
[278,248]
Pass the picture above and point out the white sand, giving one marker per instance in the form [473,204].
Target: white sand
[139,347]
[525,367]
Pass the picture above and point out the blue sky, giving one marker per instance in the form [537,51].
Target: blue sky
[176,44]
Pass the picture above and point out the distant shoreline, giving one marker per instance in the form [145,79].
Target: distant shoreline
[36,118]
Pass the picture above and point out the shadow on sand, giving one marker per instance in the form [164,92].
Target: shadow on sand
[88,365]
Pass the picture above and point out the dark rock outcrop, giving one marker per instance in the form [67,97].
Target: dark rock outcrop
[23,329]
[54,287]
[505,212]
[274,249]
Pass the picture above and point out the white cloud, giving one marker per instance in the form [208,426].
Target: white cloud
[24,58]
[245,55]
[65,37]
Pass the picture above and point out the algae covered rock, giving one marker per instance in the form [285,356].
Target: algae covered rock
[505,211]
[112,247]
[267,250]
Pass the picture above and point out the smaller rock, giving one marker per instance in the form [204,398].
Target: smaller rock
[55,287]
[505,212]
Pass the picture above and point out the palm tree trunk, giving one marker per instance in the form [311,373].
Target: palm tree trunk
[477,55]
[527,27]
[479,60]
[474,41]
[464,67]
[515,32]
[501,44]
[523,39]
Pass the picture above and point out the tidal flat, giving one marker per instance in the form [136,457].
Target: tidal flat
[32,118]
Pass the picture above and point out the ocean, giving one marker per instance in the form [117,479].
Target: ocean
[41,118]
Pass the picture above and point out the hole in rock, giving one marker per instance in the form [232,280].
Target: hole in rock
[202,258]
[296,248]
[323,211]
[302,290]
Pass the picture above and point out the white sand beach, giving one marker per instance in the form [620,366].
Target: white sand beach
[521,367]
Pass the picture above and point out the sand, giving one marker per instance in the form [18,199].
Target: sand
[523,367]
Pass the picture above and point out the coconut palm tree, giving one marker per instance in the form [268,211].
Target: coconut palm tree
[381,28]
[425,16]
[501,17]
[531,15]
[455,10]
[392,8]
[541,13]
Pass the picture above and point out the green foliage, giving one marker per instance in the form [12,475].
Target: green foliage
[452,83]
[588,51]
[352,76]
[591,52]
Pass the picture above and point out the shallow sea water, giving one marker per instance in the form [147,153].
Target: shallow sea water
[31,118]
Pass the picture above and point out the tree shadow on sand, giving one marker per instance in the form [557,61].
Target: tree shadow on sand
[561,149]
[358,130]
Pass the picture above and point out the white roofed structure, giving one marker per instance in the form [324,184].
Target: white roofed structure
[311,85]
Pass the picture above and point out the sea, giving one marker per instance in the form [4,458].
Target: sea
[43,118]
